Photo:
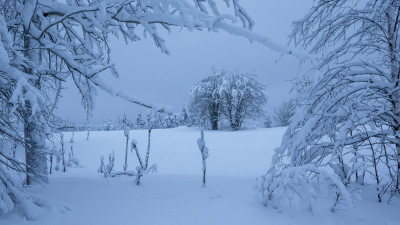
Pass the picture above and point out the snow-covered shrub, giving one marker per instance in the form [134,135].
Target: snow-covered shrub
[201,143]
[102,167]
[302,186]
[73,161]
[140,122]
[124,122]
[184,119]
[282,113]
[206,101]
[267,121]
[243,97]
[170,121]
[143,167]
[108,125]
[107,169]
[110,164]
[155,120]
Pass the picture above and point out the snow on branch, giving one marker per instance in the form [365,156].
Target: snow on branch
[201,143]
[124,95]
[302,185]
[254,37]
[83,29]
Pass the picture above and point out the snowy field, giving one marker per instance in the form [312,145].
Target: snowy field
[174,195]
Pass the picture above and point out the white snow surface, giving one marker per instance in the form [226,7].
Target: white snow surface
[174,195]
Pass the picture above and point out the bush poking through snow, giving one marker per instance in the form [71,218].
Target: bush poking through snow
[110,164]
[143,167]
[102,167]
[126,133]
[125,172]
[302,186]
[107,169]
[72,160]
[283,113]
[204,154]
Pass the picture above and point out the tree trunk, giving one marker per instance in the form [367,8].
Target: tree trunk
[126,154]
[35,144]
[204,177]
[214,125]
[214,120]
[214,114]
[35,149]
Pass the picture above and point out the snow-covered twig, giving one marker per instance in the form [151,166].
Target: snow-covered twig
[204,154]
[143,168]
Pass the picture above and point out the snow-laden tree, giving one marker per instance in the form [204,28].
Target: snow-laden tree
[124,121]
[183,117]
[227,95]
[243,97]
[347,123]
[108,125]
[140,122]
[267,121]
[154,120]
[73,161]
[283,112]
[11,192]
[206,101]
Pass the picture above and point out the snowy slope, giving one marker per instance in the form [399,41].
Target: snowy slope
[175,195]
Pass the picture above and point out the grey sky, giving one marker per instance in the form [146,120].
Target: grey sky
[158,78]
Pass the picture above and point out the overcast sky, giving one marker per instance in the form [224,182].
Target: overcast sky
[155,77]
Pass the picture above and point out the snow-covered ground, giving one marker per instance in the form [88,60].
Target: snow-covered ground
[174,195]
